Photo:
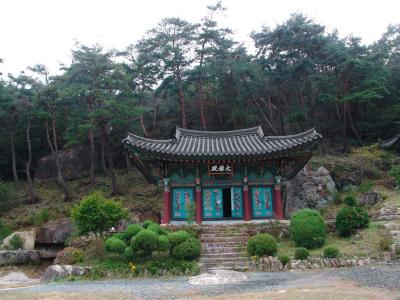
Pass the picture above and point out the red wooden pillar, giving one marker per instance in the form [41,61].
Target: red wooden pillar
[166,203]
[278,204]
[199,216]
[246,203]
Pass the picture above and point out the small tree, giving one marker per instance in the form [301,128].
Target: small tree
[96,214]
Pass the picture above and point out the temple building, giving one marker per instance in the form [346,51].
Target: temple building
[221,175]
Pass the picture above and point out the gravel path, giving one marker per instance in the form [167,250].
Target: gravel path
[384,278]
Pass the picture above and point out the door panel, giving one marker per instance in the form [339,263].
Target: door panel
[212,203]
[182,198]
[237,203]
[261,198]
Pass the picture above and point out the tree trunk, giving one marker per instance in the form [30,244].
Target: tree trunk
[13,158]
[114,190]
[31,187]
[353,127]
[56,154]
[92,156]
[201,96]
[143,126]
[128,162]
[103,158]
[182,104]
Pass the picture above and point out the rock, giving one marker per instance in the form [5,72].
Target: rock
[369,199]
[388,213]
[75,163]
[28,238]
[15,257]
[309,189]
[48,253]
[61,271]
[54,233]
[392,226]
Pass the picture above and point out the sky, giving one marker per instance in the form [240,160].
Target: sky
[45,31]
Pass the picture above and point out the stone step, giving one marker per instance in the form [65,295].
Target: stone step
[226,255]
[222,239]
[242,265]
[216,234]
[223,244]
[223,259]
[223,249]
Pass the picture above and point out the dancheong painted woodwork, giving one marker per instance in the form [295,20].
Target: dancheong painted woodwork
[222,175]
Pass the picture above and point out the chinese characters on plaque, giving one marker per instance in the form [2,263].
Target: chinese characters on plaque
[220,169]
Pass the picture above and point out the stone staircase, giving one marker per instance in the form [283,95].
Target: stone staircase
[223,247]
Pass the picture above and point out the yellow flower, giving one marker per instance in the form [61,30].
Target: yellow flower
[132,267]
[255,258]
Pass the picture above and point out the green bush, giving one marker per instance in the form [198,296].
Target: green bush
[16,242]
[262,244]
[146,241]
[187,250]
[117,246]
[5,231]
[365,186]
[331,252]
[284,259]
[107,243]
[395,173]
[7,197]
[163,231]
[301,253]
[147,223]
[41,217]
[177,237]
[350,200]
[349,219]
[129,253]
[163,243]
[308,229]
[119,235]
[96,214]
[155,228]
[131,231]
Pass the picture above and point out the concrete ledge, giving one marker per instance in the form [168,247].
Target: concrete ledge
[14,257]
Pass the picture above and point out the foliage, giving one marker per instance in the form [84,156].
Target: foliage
[131,231]
[395,173]
[117,246]
[7,197]
[349,219]
[187,250]
[95,249]
[42,217]
[262,244]
[107,243]
[191,213]
[350,200]
[129,253]
[177,237]
[5,231]
[308,229]
[284,259]
[365,186]
[155,228]
[16,242]
[301,253]
[147,223]
[70,256]
[385,243]
[145,241]
[96,214]
[331,252]
[163,243]
[172,265]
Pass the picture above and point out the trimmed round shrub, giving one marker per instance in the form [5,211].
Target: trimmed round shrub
[119,235]
[163,243]
[187,250]
[117,246]
[146,240]
[331,252]
[129,253]
[147,223]
[155,228]
[308,229]
[301,253]
[350,200]
[163,231]
[349,219]
[262,244]
[107,243]
[284,259]
[177,237]
[131,231]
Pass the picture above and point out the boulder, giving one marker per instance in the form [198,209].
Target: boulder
[28,238]
[75,163]
[15,257]
[61,271]
[309,189]
[369,199]
[54,233]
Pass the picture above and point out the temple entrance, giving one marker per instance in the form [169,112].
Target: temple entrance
[227,203]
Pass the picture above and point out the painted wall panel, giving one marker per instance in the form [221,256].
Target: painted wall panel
[261,198]
[212,203]
[237,202]
[182,198]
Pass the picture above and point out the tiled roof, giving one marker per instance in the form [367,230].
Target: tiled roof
[222,144]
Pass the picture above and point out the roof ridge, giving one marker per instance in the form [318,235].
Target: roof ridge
[141,138]
[208,133]
[296,135]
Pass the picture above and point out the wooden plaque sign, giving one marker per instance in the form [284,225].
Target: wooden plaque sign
[220,168]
